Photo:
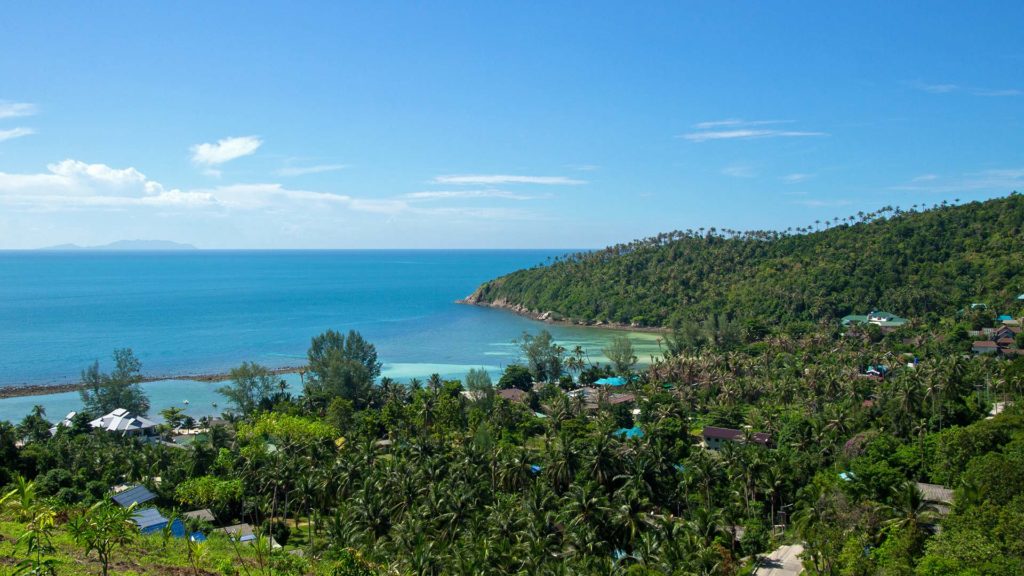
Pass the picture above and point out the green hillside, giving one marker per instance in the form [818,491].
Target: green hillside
[912,263]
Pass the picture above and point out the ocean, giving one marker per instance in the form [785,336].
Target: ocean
[202,312]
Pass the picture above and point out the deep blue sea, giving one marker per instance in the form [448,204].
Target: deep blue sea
[200,312]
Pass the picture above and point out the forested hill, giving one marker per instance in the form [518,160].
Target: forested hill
[910,263]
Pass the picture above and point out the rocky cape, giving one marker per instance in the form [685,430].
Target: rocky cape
[549,316]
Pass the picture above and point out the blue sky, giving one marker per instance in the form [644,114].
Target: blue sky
[482,124]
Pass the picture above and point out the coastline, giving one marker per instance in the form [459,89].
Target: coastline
[47,389]
[550,317]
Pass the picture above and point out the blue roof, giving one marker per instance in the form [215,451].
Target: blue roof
[149,520]
[134,495]
[613,381]
[198,537]
[535,468]
[634,432]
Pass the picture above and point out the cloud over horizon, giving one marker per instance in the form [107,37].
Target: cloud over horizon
[497,179]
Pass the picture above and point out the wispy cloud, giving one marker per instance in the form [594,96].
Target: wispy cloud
[15,133]
[463,194]
[998,93]
[812,203]
[225,150]
[1001,179]
[972,90]
[16,109]
[498,179]
[739,171]
[583,167]
[737,122]
[796,177]
[304,170]
[936,88]
[743,130]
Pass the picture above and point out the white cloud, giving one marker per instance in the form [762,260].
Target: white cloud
[925,178]
[15,133]
[737,122]
[746,134]
[583,167]
[937,88]
[797,177]
[16,109]
[497,179]
[452,194]
[304,170]
[225,150]
[972,90]
[739,171]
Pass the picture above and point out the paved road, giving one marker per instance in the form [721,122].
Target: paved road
[783,561]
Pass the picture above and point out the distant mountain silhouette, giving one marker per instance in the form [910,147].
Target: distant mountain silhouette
[126,245]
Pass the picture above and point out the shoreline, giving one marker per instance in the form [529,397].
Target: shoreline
[550,317]
[48,389]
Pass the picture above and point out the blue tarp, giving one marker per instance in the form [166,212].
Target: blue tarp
[613,381]
[535,468]
[634,432]
[198,537]
[134,495]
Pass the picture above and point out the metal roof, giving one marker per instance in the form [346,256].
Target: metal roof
[149,520]
[121,420]
[135,495]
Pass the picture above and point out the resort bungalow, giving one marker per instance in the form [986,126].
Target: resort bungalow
[984,347]
[713,437]
[125,422]
[887,321]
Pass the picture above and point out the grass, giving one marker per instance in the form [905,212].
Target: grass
[146,555]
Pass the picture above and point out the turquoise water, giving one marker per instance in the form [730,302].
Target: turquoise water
[208,311]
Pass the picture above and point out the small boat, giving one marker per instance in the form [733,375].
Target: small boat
[186,402]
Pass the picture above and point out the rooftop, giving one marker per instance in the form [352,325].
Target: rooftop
[137,494]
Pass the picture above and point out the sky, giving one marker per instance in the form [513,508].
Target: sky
[494,125]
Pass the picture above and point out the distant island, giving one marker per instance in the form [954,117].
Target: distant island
[128,245]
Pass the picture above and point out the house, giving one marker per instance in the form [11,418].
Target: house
[513,395]
[65,423]
[714,437]
[204,515]
[936,495]
[616,399]
[1004,332]
[984,347]
[125,422]
[887,321]
[149,521]
[244,533]
[137,494]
